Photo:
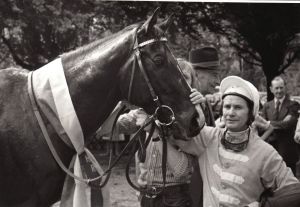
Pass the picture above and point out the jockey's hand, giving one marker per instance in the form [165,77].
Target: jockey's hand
[220,122]
[297,137]
[196,97]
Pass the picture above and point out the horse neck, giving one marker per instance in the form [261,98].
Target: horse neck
[92,76]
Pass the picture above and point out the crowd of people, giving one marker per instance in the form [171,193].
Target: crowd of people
[245,155]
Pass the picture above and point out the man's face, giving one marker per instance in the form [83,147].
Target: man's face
[235,113]
[278,88]
[188,76]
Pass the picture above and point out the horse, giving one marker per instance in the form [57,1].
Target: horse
[98,75]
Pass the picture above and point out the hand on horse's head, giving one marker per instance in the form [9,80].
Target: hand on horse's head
[196,97]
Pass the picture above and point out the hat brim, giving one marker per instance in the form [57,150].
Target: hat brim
[239,82]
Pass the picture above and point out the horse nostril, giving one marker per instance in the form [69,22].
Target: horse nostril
[158,59]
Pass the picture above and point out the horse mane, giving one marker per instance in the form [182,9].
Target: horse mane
[103,42]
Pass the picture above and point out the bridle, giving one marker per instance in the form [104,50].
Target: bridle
[160,108]
[156,118]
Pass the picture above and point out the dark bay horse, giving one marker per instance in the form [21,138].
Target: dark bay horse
[98,76]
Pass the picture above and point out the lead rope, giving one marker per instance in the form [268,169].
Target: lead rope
[164,163]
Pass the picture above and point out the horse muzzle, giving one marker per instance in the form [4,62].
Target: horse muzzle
[158,60]
[193,129]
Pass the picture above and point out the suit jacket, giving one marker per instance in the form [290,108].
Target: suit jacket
[284,127]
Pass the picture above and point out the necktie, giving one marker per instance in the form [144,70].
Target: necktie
[277,110]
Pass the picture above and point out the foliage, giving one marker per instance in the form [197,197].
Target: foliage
[36,31]
[261,33]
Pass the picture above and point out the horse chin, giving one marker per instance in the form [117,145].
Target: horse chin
[179,133]
[180,137]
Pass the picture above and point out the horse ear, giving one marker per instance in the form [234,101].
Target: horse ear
[166,24]
[151,21]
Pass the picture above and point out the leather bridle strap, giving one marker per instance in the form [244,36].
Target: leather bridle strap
[152,92]
[179,69]
[131,80]
[164,162]
[137,57]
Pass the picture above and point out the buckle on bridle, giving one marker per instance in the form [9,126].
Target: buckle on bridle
[164,115]
[152,192]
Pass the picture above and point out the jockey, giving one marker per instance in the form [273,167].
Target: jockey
[237,167]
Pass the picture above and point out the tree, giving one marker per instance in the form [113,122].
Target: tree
[37,31]
[261,33]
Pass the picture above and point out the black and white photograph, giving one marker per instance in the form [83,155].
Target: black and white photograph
[149,103]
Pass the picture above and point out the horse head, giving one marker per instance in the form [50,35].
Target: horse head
[156,79]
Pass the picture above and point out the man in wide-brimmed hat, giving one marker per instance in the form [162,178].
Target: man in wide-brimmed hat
[206,63]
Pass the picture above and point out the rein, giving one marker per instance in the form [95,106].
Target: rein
[156,120]
[56,156]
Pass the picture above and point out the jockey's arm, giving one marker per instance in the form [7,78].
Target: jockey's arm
[197,144]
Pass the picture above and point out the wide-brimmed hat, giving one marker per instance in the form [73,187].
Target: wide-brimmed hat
[234,85]
[205,57]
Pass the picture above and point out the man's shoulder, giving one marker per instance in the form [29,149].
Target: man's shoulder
[268,103]
[292,103]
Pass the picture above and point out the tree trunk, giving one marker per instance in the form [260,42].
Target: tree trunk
[271,71]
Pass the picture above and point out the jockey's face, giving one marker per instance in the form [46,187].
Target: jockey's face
[235,113]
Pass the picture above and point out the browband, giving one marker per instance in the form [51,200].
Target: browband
[162,39]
